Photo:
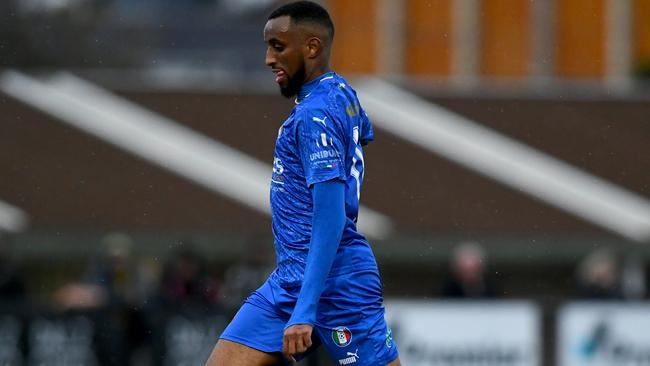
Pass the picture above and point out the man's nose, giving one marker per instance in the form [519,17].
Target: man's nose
[270,58]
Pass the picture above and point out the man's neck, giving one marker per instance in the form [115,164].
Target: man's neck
[316,73]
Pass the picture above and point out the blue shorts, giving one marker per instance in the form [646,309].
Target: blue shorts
[355,335]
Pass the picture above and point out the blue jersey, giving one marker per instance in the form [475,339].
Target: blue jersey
[320,141]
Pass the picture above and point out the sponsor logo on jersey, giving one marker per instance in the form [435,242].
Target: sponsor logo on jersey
[324,141]
[341,336]
[323,154]
[278,169]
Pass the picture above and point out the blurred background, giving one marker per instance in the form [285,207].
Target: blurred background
[507,193]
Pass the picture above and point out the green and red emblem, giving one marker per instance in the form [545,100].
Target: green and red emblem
[341,336]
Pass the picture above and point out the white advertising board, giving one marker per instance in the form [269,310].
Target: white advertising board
[604,334]
[446,333]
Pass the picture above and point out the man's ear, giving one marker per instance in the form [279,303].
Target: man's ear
[314,47]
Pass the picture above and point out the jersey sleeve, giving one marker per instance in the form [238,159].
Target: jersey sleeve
[367,132]
[321,144]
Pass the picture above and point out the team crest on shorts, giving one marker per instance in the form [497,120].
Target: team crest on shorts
[341,336]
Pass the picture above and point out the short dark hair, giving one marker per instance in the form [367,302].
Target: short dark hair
[307,12]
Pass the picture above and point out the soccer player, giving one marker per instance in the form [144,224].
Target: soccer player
[326,289]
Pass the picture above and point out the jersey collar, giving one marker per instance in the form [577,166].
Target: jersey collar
[309,87]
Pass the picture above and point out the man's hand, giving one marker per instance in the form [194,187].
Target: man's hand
[297,339]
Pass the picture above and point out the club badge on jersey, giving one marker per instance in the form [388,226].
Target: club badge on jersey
[341,336]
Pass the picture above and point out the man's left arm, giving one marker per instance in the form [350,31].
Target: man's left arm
[327,228]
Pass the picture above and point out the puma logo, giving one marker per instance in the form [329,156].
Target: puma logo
[316,119]
[352,358]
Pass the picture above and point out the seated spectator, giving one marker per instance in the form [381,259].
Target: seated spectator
[114,277]
[249,273]
[185,280]
[599,276]
[117,286]
[467,278]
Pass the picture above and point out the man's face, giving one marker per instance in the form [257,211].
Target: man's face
[284,54]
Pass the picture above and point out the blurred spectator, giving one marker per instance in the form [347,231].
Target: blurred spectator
[12,285]
[245,276]
[185,280]
[187,316]
[633,277]
[113,277]
[116,286]
[120,274]
[599,276]
[468,278]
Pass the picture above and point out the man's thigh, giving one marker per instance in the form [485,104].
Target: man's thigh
[395,363]
[254,335]
[256,327]
[228,353]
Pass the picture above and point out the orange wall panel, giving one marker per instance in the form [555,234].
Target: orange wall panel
[641,31]
[505,37]
[427,48]
[355,42]
[580,38]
